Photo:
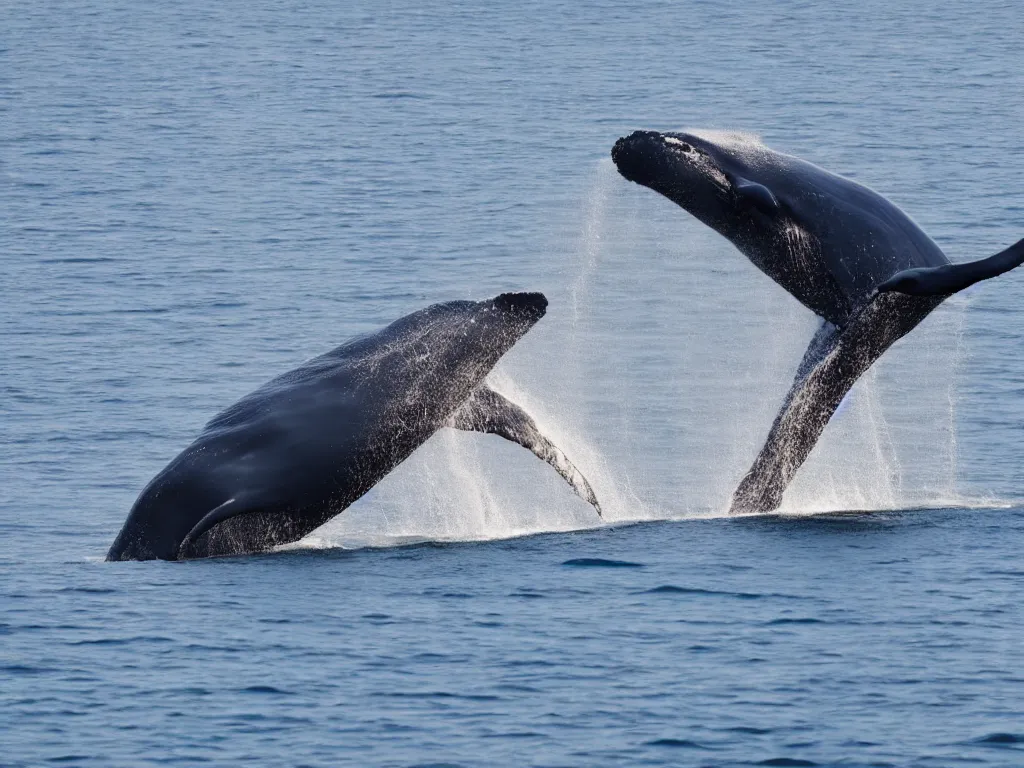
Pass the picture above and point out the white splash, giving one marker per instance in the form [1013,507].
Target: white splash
[659,368]
[726,138]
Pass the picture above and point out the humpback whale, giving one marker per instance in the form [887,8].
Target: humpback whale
[842,250]
[290,456]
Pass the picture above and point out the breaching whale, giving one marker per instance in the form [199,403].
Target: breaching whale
[288,457]
[842,250]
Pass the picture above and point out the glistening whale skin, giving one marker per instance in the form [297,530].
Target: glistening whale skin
[842,250]
[288,457]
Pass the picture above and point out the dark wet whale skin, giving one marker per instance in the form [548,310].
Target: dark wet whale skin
[829,242]
[301,448]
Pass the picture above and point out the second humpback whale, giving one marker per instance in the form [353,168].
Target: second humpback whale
[841,249]
[288,457]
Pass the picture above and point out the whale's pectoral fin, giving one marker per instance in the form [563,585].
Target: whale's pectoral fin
[230,508]
[752,193]
[487,411]
[950,278]
[834,361]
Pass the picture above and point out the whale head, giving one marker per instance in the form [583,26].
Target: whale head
[478,330]
[491,327]
[827,240]
[713,175]
[447,349]
[797,223]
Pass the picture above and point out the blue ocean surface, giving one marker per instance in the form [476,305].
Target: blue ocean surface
[197,196]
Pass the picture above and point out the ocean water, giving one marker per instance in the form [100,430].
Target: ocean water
[198,196]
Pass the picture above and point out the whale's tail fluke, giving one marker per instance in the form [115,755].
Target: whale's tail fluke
[950,278]
[487,411]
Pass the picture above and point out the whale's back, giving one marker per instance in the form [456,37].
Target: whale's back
[858,237]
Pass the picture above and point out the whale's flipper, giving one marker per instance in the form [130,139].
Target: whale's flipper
[230,508]
[833,362]
[950,278]
[487,411]
[752,193]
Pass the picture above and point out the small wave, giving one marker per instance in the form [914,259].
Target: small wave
[669,589]
[78,260]
[1001,739]
[780,622]
[124,640]
[24,669]
[265,689]
[529,663]
[448,595]
[141,311]
[678,743]
[438,695]
[597,562]
[514,735]
[790,762]
[398,95]
[102,641]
